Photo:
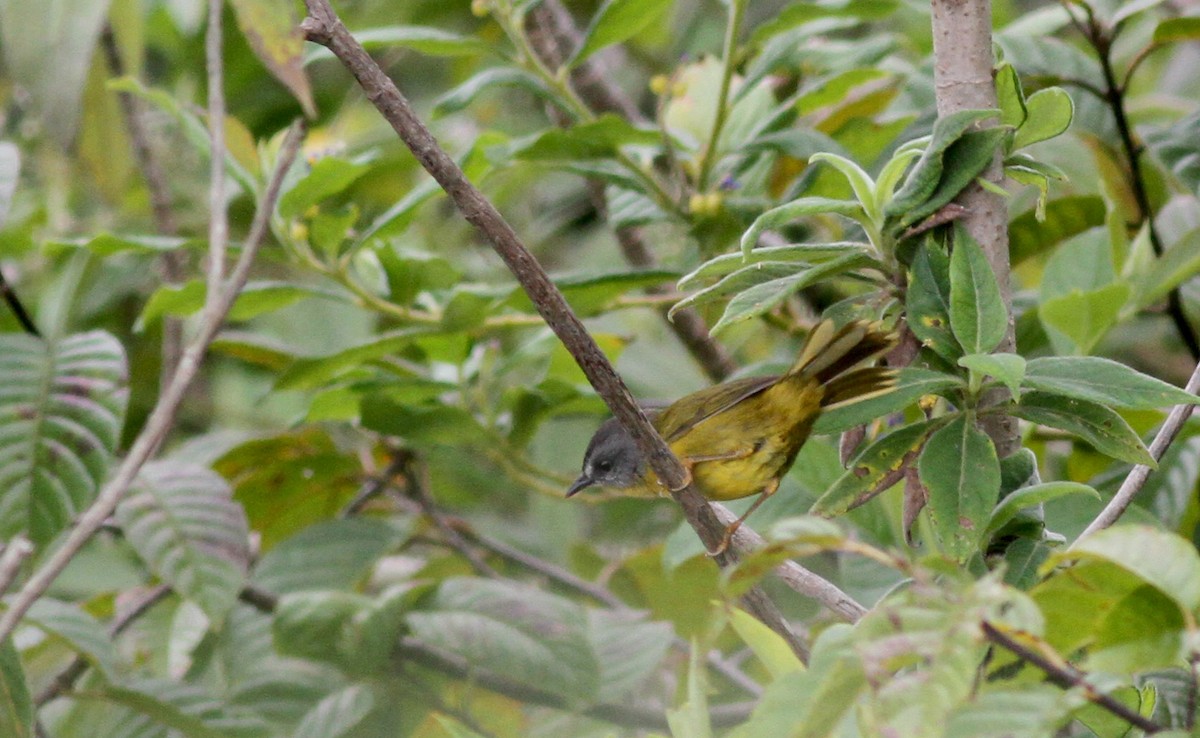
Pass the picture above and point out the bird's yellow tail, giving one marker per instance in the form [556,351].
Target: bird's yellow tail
[830,355]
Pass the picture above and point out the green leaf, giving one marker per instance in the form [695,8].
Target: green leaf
[16,707]
[462,96]
[971,154]
[61,410]
[1180,263]
[421,424]
[1157,557]
[1174,30]
[594,294]
[923,180]
[928,303]
[507,628]
[977,314]
[1102,428]
[355,633]
[314,372]
[1032,496]
[1008,369]
[1083,318]
[183,708]
[1011,711]
[912,383]
[1012,98]
[332,554]
[805,253]
[763,297]
[960,469]
[1104,381]
[1065,217]
[256,298]
[617,21]
[802,208]
[860,181]
[421,39]
[798,14]
[601,138]
[628,649]
[273,31]
[768,646]
[739,281]
[79,630]
[328,176]
[337,715]
[183,522]
[691,720]
[107,244]
[1050,113]
[877,465]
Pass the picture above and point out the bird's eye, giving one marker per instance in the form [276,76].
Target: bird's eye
[603,466]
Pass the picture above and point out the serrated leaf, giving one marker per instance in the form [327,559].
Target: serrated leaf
[273,31]
[617,21]
[421,39]
[912,383]
[337,715]
[1158,557]
[878,464]
[804,207]
[512,629]
[16,707]
[1030,497]
[1050,111]
[183,522]
[460,97]
[82,632]
[960,469]
[1104,429]
[925,175]
[978,317]
[805,253]
[333,554]
[628,648]
[1009,369]
[1104,381]
[61,410]
[763,297]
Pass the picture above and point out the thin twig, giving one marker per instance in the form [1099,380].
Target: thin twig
[1114,95]
[372,487]
[1138,475]
[324,27]
[18,309]
[733,27]
[15,552]
[218,218]
[552,36]
[133,109]
[162,417]
[416,477]
[65,679]
[1068,677]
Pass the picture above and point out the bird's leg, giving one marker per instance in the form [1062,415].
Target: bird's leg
[732,527]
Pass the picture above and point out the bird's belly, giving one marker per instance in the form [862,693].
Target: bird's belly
[730,479]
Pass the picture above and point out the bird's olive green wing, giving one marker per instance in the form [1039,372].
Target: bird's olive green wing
[686,412]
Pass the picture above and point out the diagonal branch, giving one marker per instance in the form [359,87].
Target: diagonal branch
[324,27]
[1140,473]
[162,417]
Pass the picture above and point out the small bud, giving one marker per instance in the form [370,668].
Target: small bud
[659,84]
[480,8]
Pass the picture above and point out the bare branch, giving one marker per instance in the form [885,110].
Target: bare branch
[162,417]
[14,554]
[218,218]
[1139,474]
[1068,677]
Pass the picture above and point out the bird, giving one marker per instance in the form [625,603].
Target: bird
[739,438]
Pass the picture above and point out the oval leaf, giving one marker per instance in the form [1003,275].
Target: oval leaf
[1104,381]
[877,467]
[977,313]
[960,469]
[617,21]
[1096,424]
[1031,496]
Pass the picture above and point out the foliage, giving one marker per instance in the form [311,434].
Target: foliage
[358,513]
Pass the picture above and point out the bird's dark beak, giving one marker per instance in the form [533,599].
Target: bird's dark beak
[583,482]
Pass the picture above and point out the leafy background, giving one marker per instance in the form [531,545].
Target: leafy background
[357,526]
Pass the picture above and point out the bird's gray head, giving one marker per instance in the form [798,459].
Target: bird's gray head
[612,459]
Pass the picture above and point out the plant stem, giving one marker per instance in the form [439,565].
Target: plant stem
[733,29]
